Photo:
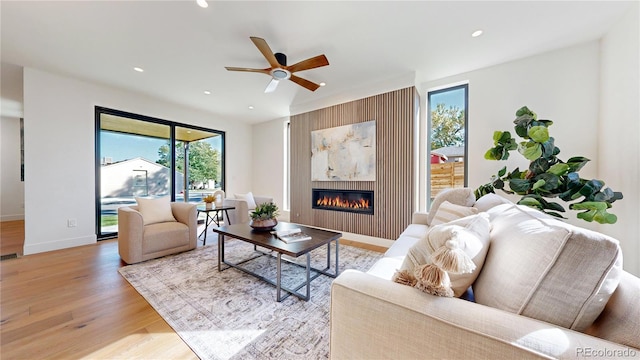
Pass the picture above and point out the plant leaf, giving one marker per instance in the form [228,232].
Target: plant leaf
[558,169]
[576,163]
[531,202]
[520,186]
[539,134]
[530,150]
[538,184]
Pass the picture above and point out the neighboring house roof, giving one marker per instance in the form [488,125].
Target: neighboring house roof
[121,162]
[450,151]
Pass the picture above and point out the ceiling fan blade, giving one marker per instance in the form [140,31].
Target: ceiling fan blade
[304,83]
[264,48]
[312,63]
[271,87]
[264,71]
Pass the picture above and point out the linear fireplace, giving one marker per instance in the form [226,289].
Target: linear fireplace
[356,201]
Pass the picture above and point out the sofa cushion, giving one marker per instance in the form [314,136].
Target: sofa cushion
[458,196]
[155,210]
[163,236]
[472,232]
[546,269]
[620,319]
[409,236]
[448,212]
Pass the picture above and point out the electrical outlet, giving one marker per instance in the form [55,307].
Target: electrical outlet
[72,223]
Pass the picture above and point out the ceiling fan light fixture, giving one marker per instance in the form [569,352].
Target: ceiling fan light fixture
[202,3]
[280,74]
[476,33]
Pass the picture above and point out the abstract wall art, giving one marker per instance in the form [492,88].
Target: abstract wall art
[344,153]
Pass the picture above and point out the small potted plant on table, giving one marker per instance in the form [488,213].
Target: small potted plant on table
[263,217]
[208,201]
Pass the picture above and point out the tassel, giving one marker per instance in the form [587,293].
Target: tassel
[404,277]
[433,280]
[432,274]
[453,259]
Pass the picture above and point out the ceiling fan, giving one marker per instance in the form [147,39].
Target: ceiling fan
[279,69]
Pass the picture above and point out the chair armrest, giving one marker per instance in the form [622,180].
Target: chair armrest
[420,217]
[240,214]
[130,231]
[187,213]
[376,318]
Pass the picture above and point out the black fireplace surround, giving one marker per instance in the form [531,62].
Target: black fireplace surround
[355,201]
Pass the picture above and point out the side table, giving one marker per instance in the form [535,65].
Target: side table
[213,216]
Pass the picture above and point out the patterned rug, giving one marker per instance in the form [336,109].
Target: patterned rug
[232,315]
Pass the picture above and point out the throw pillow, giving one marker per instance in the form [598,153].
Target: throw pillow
[489,201]
[155,210]
[449,258]
[547,269]
[248,197]
[458,196]
[448,212]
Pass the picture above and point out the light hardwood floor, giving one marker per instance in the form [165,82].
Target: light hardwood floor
[73,304]
[11,237]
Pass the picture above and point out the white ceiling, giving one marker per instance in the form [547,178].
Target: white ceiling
[184,48]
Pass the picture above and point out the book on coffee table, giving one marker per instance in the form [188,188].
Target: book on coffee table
[291,235]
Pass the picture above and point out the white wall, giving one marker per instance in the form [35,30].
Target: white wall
[59,153]
[11,188]
[562,85]
[269,161]
[619,145]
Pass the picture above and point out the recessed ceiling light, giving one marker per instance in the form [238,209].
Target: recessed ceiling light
[476,33]
[138,69]
[250,107]
[207,92]
[202,3]
[322,84]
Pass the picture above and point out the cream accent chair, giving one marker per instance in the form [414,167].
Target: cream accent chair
[242,209]
[138,242]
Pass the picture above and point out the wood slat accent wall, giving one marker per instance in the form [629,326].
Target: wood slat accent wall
[394,187]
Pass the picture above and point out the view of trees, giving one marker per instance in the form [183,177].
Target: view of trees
[204,161]
[447,126]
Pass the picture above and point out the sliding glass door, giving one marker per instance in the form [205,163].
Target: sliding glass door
[200,152]
[138,156]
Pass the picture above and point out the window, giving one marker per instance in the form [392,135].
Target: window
[148,157]
[448,118]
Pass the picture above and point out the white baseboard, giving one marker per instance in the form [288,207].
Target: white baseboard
[15,217]
[57,245]
[367,239]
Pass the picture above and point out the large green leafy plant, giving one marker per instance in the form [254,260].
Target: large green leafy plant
[547,177]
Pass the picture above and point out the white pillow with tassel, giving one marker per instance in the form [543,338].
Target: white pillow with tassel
[449,258]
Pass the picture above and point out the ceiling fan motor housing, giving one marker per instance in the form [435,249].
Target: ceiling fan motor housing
[282,58]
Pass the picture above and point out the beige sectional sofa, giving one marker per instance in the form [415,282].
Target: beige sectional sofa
[545,289]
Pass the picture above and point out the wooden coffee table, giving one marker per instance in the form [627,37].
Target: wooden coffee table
[269,241]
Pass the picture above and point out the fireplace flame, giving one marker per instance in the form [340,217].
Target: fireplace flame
[340,202]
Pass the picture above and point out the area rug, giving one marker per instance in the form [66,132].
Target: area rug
[232,315]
